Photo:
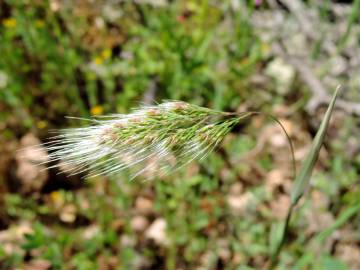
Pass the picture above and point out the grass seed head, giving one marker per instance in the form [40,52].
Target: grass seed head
[141,141]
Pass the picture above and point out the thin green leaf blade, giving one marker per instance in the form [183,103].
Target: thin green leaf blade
[302,180]
[276,236]
[344,217]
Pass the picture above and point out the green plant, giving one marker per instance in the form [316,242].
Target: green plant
[301,182]
[164,138]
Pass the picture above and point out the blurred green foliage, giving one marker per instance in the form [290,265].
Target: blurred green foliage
[52,70]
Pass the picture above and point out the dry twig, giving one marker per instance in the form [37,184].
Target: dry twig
[320,94]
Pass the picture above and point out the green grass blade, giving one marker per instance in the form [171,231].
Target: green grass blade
[352,18]
[302,180]
[301,183]
[344,217]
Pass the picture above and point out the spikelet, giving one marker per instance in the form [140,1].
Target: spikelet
[155,140]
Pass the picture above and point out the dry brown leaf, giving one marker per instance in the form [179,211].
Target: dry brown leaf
[37,264]
[239,203]
[350,254]
[144,205]
[276,179]
[280,206]
[31,175]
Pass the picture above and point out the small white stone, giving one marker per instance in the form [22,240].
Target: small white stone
[127,241]
[68,214]
[239,203]
[91,231]
[282,73]
[139,223]
[157,232]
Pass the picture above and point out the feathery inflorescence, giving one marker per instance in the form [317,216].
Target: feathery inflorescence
[152,139]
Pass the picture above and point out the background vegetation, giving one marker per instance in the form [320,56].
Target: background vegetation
[83,58]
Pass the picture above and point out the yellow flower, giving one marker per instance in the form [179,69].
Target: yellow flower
[98,60]
[96,110]
[105,54]
[55,196]
[41,124]
[9,23]
[39,23]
